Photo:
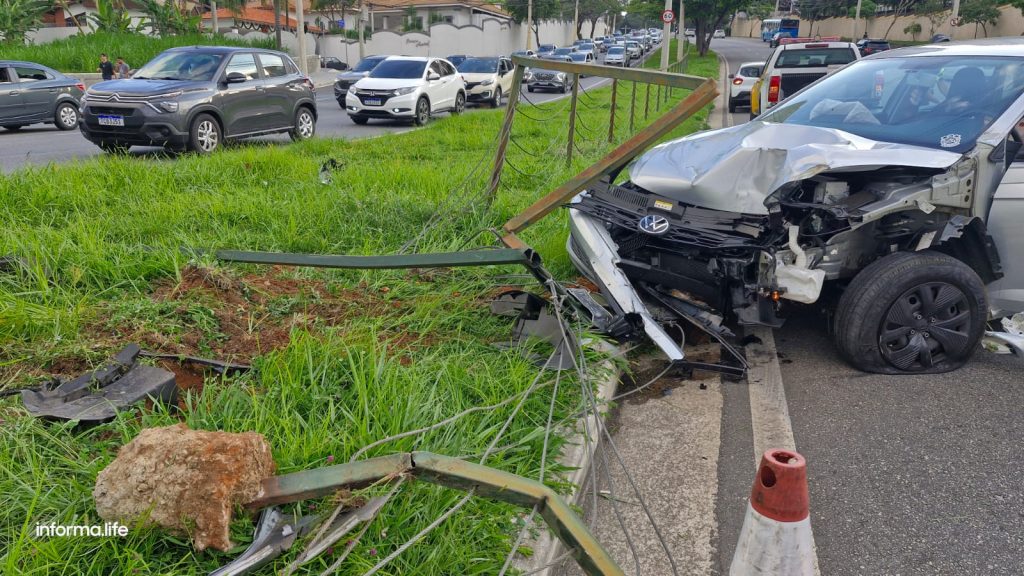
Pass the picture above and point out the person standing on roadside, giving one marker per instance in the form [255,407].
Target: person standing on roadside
[122,69]
[106,67]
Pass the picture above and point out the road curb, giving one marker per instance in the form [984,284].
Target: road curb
[577,457]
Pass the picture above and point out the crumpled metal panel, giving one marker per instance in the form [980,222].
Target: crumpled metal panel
[736,168]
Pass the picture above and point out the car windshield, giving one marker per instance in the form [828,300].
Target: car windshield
[399,69]
[579,56]
[367,64]
[479,66]
[520,53]
[588,47]
[456,60]
[181,66]
[616,50]
[814,57]
[931,101]
[547,47]
[750,71]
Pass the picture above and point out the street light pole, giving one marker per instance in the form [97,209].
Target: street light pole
[680,33]
[529,24]
[666,35]
[856,20]
[954,18]
[576,21]
[361,24]
[300,34]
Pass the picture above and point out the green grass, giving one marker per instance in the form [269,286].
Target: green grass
[81,53]
[101,242]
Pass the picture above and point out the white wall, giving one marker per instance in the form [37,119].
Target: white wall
[492,37]
[47,35]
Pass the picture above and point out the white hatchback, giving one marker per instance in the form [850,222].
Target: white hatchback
[742,82]
[408,88]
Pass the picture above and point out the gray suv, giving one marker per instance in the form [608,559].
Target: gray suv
[197,97]
[32,94]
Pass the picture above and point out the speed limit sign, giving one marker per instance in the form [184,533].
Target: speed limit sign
[668,16]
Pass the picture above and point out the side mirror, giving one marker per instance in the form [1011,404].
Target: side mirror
[431,76]
[235,78]
[731,76]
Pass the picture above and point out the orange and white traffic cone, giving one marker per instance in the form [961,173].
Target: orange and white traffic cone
[776,536]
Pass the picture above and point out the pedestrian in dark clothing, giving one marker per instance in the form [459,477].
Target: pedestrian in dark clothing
[106,67]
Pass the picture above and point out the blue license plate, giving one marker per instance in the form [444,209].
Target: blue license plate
[373,101]
[106,120]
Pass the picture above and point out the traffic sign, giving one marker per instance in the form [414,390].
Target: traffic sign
[668,16]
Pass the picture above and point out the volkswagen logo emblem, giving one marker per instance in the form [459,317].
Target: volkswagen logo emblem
[653,224]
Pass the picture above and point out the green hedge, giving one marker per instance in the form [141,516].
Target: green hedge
[81,53]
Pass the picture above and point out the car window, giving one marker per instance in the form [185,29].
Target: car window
[811,57]
[29,74]
[447,69]
[273,65]
[932,101]
[244,64]
[750,71]
[292,68]
[4,76]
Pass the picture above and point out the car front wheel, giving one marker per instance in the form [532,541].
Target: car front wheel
[305,125]
[422,112]
[460,104]
[204,136]
[497,97]
[911,312]
[66,116]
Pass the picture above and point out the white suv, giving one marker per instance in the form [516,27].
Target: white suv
[408,88]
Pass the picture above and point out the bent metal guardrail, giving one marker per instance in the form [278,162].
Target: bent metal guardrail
[451,473]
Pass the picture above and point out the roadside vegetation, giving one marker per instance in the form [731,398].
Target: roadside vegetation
[81,53]
[110,251]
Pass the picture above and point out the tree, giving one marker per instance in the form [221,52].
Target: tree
[110,16]
[900,8]
[592,11]
[707,16]
[867,9]
[542,10]
[914,29]
[821,9]
[936,11]
[759,11]
[19,17]
[166,18]
[979,12]
[412,21]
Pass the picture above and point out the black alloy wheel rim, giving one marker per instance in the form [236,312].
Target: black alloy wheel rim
[927,324]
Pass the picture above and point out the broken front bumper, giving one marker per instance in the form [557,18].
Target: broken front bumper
[595,254]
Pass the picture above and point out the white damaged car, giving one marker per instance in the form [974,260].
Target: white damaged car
[891,191]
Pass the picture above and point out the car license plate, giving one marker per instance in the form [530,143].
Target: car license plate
[111,120]
[373,102]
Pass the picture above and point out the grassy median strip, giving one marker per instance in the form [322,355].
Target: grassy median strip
[104,254]
[81,53]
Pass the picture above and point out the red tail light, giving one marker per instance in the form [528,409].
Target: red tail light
[80,86]
[737,81]
[774,87]
[309,83]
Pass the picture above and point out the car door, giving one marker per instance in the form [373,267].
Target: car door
[453,82]
[10,96]
[439,87]
[244,104]
[38,92]
[280,93]
[505,74]
[1004,226]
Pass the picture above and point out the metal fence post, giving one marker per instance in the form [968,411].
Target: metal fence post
[611,119]
[506,132]
[632,108]
[647,100]
[572,120]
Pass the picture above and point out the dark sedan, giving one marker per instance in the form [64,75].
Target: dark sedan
[34,94]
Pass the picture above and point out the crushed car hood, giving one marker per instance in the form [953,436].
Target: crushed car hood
[737,168]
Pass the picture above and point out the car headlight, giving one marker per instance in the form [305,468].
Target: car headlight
[169,106]
[352,89]
[560,76]
[174,94]
[487,82]
[406,90]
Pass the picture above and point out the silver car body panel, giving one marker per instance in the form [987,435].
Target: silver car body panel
[736,169]
[602,259]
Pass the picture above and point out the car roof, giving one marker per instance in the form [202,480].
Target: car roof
[415,58]
[6,63]
[222,49]
[818,44]
[1006,46]
[745,64]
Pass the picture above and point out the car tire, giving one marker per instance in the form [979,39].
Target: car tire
[361,120]
[66,116]
[529,88]
[460,104]
[732,106]
[13,127]
[422,113]
[204,134]
[497,97]
[752,115]
[111,147]
[564,89]
[911,313]
[305,125]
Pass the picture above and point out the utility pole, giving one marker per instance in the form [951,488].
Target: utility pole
[277,24]
[856,20]
[529,24]
[954,18]
[213,15]
[680,33]
[666,35]
[361,24]
[300,34]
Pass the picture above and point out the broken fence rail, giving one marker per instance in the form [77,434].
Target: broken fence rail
[451,473]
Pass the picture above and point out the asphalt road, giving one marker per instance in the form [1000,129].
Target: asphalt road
[42,144]
[908,475]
